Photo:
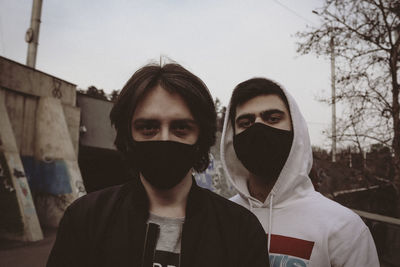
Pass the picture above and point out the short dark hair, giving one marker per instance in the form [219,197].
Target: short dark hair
[251,88]
[173,78]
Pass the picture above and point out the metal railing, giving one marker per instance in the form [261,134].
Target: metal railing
[386,233]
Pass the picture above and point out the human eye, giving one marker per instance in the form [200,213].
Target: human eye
[148,128]
[273,118]
[245,122]
[181,128]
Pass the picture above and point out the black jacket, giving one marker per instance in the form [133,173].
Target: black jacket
[108,228]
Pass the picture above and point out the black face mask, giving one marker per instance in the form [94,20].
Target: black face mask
[163,164]
[263,150]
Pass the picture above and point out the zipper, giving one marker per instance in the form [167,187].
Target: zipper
[180,253]
[144,245]
[150,244]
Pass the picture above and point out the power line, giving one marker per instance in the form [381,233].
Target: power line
[293,12]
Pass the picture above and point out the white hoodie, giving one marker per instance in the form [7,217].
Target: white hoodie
[304,228]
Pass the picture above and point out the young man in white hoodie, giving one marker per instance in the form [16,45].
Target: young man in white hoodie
[267,155]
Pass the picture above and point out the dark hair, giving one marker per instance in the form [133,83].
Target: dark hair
[251,88]
[173,78]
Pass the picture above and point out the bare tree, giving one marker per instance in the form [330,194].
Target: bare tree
[366,45]
[114,95]
[220,110]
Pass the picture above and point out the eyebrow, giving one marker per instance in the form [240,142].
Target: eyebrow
[251,116]
[151,120]
[271,111]
[142,121]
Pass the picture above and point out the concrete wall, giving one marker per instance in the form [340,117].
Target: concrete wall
[45,123]
[18,215]
[23,87]
[18,77]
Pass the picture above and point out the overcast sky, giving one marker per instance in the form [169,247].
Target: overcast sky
[103,42]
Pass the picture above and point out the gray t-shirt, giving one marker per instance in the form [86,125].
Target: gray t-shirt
[168,246]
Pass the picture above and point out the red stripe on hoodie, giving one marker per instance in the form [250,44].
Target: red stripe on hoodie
[291,246]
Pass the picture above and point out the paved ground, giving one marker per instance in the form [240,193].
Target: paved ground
[19,254]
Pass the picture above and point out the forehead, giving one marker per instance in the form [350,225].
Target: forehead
[261,103]
[158,103]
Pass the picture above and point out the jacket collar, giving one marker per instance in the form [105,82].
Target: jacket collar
[140,200]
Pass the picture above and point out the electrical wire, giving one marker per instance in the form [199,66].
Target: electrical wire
[293,12]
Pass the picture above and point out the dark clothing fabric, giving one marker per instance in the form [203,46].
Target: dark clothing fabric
[108,228]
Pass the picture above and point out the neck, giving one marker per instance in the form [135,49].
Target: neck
[168,202]
[259,188]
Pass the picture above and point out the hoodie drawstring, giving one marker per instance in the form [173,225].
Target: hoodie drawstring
[270,217]
[270,222]
[250,204]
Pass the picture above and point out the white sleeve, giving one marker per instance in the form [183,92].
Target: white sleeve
[358,251]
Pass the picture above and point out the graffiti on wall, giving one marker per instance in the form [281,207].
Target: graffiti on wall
[22,184]
[10,216]
[5,183]
[49,176]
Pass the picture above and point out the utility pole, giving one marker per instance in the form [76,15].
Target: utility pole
[350,158]
[333,78]
[32,34]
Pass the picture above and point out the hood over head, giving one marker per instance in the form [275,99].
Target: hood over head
[293,181]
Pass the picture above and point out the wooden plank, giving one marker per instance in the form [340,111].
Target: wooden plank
[29,122]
